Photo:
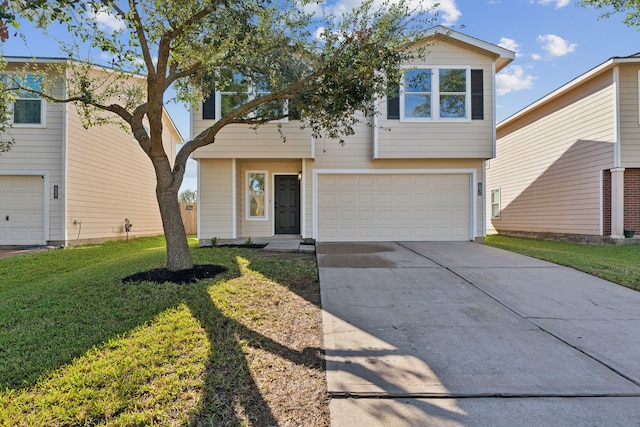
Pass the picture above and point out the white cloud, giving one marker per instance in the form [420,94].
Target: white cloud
[510,44]
[557,3]
[536,56]
[448,11]
[556,46]
[513,79]
[107,21]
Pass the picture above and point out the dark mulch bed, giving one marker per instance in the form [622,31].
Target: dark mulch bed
[162,275]
[237,245]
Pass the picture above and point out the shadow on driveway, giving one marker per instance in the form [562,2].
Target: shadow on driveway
[446,333]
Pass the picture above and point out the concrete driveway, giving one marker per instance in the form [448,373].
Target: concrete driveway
[462,334]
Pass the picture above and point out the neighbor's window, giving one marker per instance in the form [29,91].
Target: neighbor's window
[435,94]
[256,195]
[28,108]
[495,203]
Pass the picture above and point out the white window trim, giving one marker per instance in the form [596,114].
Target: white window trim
[266,196]
[435,95]
[499,202]
[251,94]
[43,110]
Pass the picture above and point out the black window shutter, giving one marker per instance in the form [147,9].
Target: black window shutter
[294,113]
[209,106]
[477,95]
[393,102]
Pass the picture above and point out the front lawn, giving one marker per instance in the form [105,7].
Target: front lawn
[619,264]
[79,347]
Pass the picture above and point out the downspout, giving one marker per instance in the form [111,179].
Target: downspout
[493,84]
[199,210]
[375,132]
[617,172]
[234,200]
[303,200]
[65,141]
[617,157]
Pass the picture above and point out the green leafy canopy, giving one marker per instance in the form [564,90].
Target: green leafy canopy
[610,7]
[330,70]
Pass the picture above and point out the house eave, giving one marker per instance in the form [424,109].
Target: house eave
[502,56]
[576,82]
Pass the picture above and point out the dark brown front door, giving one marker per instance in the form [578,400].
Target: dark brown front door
[287,204]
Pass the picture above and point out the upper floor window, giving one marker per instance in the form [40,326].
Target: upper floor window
[233,96]
[435,94]
[28,109]
[237,92]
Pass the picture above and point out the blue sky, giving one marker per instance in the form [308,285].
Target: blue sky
[555,42]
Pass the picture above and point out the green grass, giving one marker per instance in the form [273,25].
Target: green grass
[78,347]
[619,264]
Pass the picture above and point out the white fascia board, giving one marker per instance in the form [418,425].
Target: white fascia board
[608,64]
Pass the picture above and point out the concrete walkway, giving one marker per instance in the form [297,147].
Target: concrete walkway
[462,334]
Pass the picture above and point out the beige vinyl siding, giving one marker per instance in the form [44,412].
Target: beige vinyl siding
[629,115]
[215,198]
[40,150]
[241,141]
[439,138]
[110,178]
[355,154]
[549,164]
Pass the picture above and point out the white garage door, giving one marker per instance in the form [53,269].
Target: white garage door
[21,210]
[371,207]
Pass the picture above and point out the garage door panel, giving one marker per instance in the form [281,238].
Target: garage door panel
[22,201]
[394,207]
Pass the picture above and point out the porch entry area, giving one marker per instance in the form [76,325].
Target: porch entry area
[286,204]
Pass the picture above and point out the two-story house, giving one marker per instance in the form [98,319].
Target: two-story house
[416,174]
[64,184]
[568,165]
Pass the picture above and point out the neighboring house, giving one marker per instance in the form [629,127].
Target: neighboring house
[63,184]
[417,174]
[568,165]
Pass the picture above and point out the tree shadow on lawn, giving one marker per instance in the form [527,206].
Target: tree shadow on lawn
[230,395]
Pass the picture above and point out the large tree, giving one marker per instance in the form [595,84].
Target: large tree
[609,7]
[328,70]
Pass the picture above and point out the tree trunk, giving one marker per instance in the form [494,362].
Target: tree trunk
[178,254]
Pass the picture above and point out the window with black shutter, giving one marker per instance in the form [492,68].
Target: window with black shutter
[209,106]
[477,95]
[393,101]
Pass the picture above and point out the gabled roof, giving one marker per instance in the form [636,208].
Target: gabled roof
[598,70]
[501,55]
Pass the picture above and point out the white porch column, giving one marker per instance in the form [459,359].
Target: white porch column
[617,203]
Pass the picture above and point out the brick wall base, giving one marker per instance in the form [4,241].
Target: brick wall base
[585,239]
[631,200]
